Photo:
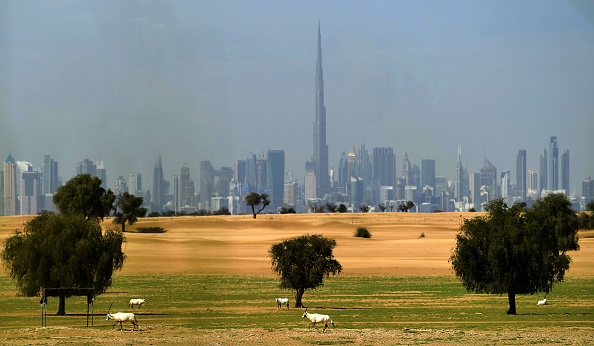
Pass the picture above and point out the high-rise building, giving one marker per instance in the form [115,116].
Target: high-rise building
[428,173]
[553,164]
[120,186]
[50,175]
[275,176]
[158,194]
[320,155]
[489,179]
[207,189]
[475,190]
[565,172]
[543,169]
[521,174]
[587,190]
[405,168]
[2,193]
[532,184]
[30,193]
[10,186]
[87,166]
[102,173]
[135,183]
[261,174]
[291,193]
[506,187]
[184,188]
[94,169]
[459,173]
[384,166]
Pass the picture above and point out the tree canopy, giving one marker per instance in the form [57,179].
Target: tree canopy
[60,250]
[253,199]
[303,262]
[84,195]
[129,209]
[516,250]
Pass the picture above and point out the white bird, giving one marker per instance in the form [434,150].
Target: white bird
[542,302]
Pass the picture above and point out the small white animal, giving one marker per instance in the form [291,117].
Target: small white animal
[282,301]
[315,318]
[120,317]
[542,302]
[138,302]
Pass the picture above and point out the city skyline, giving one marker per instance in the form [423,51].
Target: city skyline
[192,82]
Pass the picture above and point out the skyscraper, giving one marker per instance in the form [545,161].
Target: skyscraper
[384,166]
[543,166]
[489,179]
[158,187]
[428,173]
[50,175]
[532,183]
[553,164]
[405,168]
[135,183]
[587,190]
[459,172]
[565,172]
[320,155]
[521,174]
[275,176]
[10,186]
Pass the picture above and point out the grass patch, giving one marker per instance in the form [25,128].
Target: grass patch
[242,302]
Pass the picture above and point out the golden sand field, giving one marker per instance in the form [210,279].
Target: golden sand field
[239,244]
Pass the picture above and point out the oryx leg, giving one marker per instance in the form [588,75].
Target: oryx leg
[325,326]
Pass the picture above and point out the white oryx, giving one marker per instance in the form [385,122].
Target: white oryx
[138,302]
[315,318]
[282,301]
[121,317]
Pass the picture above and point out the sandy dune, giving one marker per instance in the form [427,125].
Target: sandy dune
[239,244]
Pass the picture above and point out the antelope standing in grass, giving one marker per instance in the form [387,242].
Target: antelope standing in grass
[282,301]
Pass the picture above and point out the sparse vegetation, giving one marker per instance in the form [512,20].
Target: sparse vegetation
[362,232]
[149,230]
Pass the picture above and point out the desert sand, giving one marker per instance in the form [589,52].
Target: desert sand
[401,243]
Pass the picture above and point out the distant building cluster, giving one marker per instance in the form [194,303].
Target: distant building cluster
[362,179]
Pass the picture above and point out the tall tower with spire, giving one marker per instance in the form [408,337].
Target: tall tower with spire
[320,154]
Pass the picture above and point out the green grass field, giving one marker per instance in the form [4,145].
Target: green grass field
[215,302]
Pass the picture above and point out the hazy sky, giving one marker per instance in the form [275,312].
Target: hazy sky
[128,81]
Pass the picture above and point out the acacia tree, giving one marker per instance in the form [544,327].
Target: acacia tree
[84,195]
[59,250]
[254,199]
[303,262]
[516,250]
[129,209]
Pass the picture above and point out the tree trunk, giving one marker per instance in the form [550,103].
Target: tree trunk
[62,306]
[512,303]
[253,212]
[298,297]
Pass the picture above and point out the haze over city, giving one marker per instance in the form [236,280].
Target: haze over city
[128,81]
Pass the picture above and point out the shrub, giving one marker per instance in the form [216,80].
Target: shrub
[362,232]
[149,230]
